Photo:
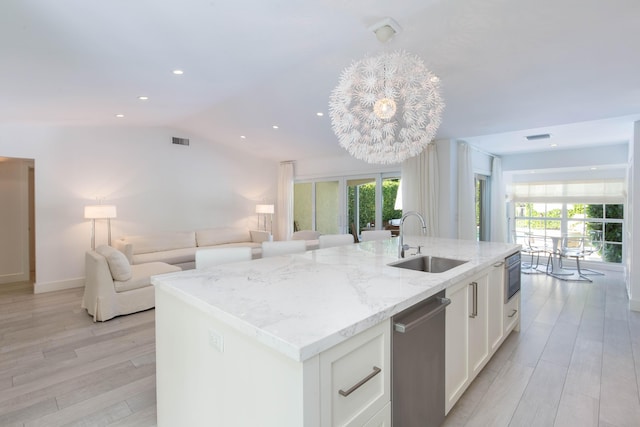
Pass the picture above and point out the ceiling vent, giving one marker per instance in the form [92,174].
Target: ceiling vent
[180,141]
[537,137]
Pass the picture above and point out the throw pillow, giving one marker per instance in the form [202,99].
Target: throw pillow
[117,261]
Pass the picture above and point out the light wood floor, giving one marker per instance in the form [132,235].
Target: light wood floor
[576,362]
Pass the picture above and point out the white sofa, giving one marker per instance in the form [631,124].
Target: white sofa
[113,287]
[179,248]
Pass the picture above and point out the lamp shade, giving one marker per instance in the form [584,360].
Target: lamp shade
[264,209]
[99,211]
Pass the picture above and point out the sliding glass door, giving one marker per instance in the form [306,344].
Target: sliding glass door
[328,219]
[348,204]
[317,207]
[361,204]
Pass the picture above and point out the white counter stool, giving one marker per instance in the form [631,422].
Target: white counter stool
[309,236]
[331,240]
[216,256]
[369,235]
[283,247]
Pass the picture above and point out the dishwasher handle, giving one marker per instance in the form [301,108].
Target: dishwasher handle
[402,327]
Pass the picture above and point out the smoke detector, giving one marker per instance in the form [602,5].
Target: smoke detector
[385,29]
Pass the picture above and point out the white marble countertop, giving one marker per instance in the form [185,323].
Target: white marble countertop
[303,304]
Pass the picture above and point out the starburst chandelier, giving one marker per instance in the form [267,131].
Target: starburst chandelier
[386,108]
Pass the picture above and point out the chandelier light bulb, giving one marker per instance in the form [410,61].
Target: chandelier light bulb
[385,108]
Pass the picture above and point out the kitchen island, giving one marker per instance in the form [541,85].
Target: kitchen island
[265,342]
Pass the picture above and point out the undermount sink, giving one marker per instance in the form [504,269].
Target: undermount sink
[428,264]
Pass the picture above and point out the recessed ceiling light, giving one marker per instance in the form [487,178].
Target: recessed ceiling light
[119,116]
[143,98]
[319,114]
[539,136]
[243,137]
[178,72]
[553,145]
[275,126]
[594,168]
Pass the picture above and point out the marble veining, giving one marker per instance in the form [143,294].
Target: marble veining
[303,304]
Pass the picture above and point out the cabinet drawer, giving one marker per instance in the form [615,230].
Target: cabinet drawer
[355,378]
[511,313]
[382,418]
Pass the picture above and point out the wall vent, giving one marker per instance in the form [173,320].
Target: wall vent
[540,136]
[180,141]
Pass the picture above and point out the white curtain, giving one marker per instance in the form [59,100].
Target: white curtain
[466,194]
[498,203]
[420,190]
[284,208]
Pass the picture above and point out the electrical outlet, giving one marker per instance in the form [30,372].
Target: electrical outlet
[216,340]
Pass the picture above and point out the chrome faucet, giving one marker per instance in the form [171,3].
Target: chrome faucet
[401,246]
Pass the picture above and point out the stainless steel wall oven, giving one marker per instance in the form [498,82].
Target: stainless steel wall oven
[511,276]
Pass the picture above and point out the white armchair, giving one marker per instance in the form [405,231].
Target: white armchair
[113,287]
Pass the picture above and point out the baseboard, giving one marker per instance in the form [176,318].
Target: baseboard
[58,285]
[12,278]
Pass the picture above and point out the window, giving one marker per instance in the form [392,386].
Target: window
[601,222]
[589,208]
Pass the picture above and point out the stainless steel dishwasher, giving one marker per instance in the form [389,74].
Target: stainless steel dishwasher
[417,357]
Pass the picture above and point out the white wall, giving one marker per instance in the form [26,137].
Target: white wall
[616,154]
[338,166]
[156,186]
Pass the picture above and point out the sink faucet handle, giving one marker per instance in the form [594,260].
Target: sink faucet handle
[417,248]
[403,248]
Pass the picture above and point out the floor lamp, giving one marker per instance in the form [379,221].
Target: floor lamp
[94,212]
[264,210]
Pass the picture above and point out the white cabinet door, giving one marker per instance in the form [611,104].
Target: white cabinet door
[456,343]
[496,302]
[466,334]
[478,323]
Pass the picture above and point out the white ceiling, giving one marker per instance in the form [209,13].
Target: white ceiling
[508,68]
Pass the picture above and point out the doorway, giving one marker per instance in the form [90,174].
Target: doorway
[32,222]
[17,220]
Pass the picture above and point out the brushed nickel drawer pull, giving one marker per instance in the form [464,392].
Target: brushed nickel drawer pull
[360,383]
[512,314]
[474,287]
